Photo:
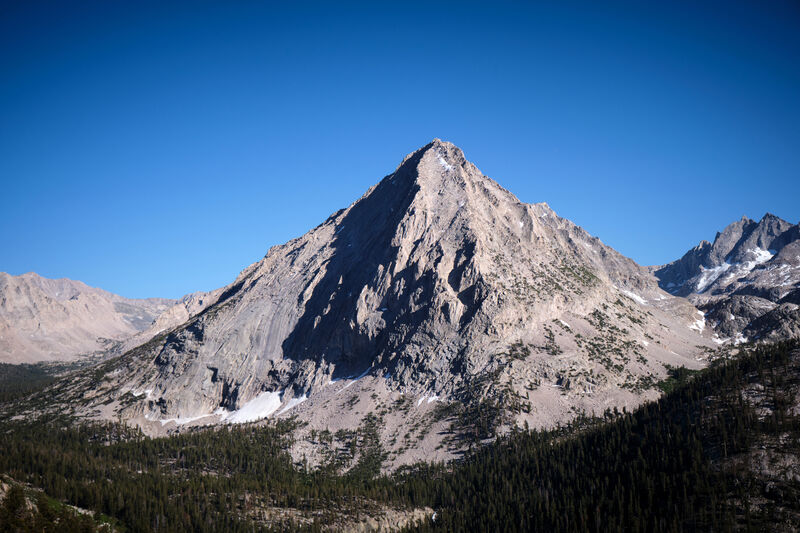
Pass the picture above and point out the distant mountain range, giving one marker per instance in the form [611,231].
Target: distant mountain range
[747,281]
[46,319]
[63,320]
[438,305]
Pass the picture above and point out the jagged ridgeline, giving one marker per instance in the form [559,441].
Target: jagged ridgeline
[747,281]
[438,304]
[718,452]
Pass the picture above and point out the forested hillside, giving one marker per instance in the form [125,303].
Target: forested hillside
[718,452]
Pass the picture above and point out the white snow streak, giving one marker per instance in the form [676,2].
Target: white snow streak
[182,421]
[633,296]
[698,325]
[762,256]
[364,373]
[716,338]
[293,403]
[259,407]
[710,275]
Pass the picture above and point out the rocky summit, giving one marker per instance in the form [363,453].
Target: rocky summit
[747,281]
[435,307]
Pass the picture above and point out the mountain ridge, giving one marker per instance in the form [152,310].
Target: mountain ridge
[44,319]
[51,320]
[747,281]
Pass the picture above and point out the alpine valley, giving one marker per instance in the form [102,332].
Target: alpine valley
[435,318]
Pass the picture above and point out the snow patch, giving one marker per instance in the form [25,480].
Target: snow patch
[427,399]
[147,393]
[293,403]
[259,407]
[633,296]
[708,276]
[364,373]
[716,338]
[178,420]
[699,325]
[184,420]
[444,163]
[762,256]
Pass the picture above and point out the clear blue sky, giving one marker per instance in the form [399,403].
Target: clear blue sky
[157,148]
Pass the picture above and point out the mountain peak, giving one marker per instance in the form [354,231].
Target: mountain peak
[736,251]
[769,217]
[437,170]
[439,144]
[446,154]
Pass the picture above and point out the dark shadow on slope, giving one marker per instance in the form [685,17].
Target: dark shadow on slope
[326,330]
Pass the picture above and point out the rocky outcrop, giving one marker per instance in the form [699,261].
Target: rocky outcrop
[175,315]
